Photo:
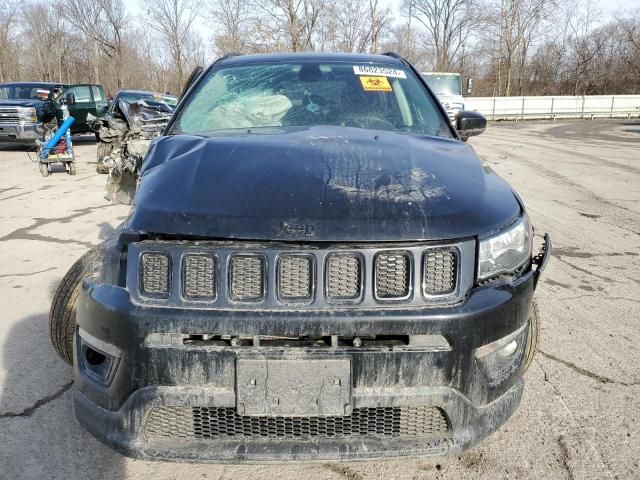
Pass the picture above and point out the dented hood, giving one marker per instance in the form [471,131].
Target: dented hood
[319,184]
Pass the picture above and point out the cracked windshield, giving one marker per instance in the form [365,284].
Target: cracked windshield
[310,94]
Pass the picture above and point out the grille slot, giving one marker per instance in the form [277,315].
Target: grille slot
[344,277]
[295,277]
[247,278]
[440,271]
[199,277]
[155,274]
[393,275]
[224,422]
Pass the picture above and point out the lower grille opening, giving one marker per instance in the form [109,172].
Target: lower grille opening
[224,422]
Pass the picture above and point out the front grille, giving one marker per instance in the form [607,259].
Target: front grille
[247,278]
[9,120]
[393,275]
[155,273]
[9,116]
[344,277]
[440,271]
[212,275]
[199,277]
[224,422]
[295,277]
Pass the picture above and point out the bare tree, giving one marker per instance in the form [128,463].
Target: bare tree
[289,23]
[8,32]
[104,22]
[584,46]
[231,18]
[509,46]
[173,22]
[358,25]
[630,33]
[44,27]
[448,24]
[515,23]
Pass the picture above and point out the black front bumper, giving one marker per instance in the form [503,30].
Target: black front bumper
[456,379]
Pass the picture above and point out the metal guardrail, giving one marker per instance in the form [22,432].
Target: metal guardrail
[553,107]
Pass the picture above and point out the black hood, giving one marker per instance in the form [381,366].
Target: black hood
[319,184]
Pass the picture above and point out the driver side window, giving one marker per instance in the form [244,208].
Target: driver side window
[82,94]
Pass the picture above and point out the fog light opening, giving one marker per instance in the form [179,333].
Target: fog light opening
[93,357]
[508,350]
[97,358]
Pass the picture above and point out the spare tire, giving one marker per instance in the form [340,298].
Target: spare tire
[62,316]
[533,338]
[104,149]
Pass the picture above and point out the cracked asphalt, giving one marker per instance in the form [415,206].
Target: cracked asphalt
[580,414]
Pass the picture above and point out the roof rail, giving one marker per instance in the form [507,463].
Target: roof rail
[229,55]
[397,56]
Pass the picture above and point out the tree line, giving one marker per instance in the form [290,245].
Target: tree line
[509,47]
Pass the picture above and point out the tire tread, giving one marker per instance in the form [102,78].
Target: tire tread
[62,315]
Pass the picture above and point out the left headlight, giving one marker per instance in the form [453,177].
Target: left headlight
[505,252]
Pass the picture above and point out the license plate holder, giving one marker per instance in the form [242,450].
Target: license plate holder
[293,387]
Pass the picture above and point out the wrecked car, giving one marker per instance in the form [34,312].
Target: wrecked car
[315,266]
[133,120]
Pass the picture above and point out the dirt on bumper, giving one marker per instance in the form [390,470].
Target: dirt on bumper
[183,400]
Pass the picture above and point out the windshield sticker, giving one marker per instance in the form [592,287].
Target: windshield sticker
[383,71]
[375,84]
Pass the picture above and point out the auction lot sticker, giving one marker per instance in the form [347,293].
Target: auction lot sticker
[375,84]
[378,71]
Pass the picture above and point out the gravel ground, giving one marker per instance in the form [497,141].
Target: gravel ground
[580,414]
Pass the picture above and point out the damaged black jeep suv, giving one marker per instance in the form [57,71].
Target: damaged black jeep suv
[315,266]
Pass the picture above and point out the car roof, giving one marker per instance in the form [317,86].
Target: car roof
[34,84]
[143,92]
[390,59]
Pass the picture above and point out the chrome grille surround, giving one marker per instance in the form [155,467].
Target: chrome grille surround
[295,277]
[393,275]
[154,280]
[199,273]
[210,423]
[344,278]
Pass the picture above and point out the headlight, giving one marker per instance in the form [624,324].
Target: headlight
[27,114]
[506,251]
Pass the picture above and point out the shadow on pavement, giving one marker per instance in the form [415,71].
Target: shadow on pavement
[39,435]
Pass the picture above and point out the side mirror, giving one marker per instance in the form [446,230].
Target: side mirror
[470,123]
[70,98]
[469,86]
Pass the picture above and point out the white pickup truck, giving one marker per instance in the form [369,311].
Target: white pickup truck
[448,88]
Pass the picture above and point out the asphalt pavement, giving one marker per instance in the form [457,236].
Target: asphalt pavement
[580,414]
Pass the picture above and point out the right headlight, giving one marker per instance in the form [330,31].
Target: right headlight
[505,252]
